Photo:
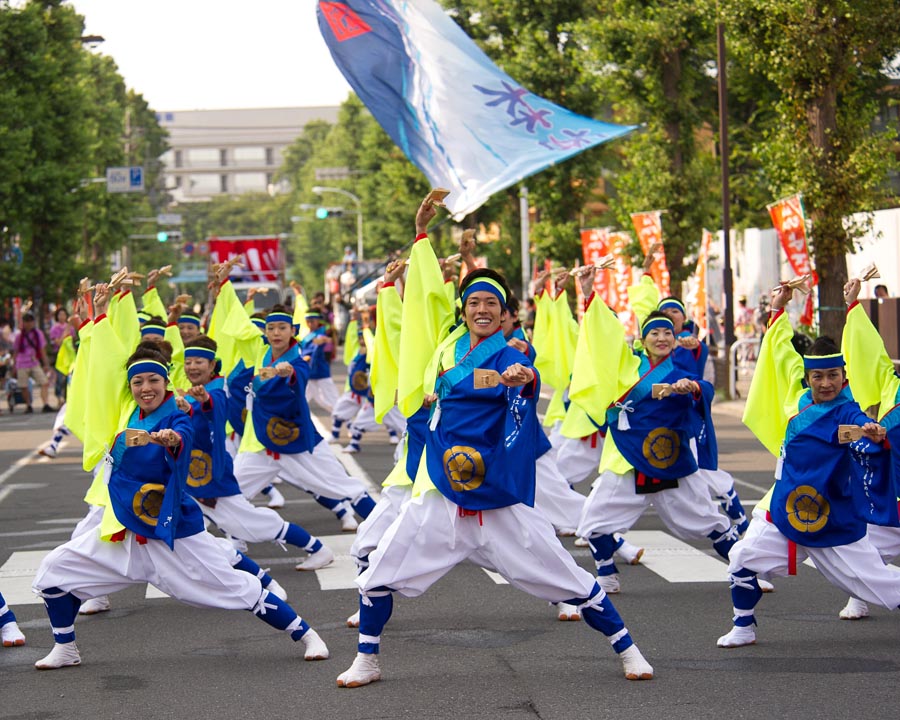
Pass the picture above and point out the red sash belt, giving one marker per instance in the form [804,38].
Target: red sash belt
[471,513]
[120,536]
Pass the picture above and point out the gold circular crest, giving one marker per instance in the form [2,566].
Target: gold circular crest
[147,502]
[200,471]
[244,416]
[464,468]
[282,432]
[807,510]
[360,380]
[661,448]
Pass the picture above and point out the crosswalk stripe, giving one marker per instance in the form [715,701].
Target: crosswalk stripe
[16,575]
[496,577]
[342,572]
[676,561]
[673,560]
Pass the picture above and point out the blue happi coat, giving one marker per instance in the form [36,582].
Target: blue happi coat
[238,384]
[211,472]
[281,419]
[481,449]
[147,484]
[701,425]
[819,499]
[319,366]
[654,435]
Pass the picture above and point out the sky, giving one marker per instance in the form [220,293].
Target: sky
[215,54]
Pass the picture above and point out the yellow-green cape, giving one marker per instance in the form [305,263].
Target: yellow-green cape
[869,367]
[427,315]
[384,370]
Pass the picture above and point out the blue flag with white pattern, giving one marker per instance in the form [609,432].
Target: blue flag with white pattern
[462,121]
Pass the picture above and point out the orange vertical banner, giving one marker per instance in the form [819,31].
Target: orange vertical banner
[624,276]
[648,226]
[789,221]
[595,245]
[701,301]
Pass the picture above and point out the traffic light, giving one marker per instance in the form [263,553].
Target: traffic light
[162,236]
[323,213]
[166,235]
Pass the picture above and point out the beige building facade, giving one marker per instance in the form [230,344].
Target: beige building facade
[229,152]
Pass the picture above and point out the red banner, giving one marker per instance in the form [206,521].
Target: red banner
[261,257]
[700,300]
[595,245]
[624,276]
[790,226]
[648,226]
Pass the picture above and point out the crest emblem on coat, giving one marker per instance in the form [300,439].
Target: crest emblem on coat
[662,448]
[282,432]
[147,502]
[464,468]
[200,471]
[807,511]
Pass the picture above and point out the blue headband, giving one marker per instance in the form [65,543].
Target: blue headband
[672,303]
[259,322]
[654,323]
[314,316]
[485,285]
[189,319]
[823,362]
[199,352]
[143,317]
[274,317]
[143,366]
[148,329]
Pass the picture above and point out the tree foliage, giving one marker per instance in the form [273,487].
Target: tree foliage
[62,122]
[828,59]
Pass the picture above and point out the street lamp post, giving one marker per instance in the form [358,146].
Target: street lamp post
[318,190]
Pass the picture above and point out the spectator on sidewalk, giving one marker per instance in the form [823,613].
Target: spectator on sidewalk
[30,349]
[59,330]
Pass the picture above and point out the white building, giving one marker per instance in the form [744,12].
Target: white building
[759,264]
[228,152]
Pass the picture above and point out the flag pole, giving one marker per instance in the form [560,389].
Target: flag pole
[525,240]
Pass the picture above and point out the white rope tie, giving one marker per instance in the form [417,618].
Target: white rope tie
[745,583]
[624,409]
[262,605]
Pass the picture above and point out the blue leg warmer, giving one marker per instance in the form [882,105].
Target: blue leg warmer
[375,610]
[62,609]
[602,548]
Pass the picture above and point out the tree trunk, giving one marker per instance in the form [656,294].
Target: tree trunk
[829,237]
[832,272]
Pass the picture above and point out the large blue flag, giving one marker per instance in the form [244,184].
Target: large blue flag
[461,120]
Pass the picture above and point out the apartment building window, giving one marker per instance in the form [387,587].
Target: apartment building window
[223,158]
[203,157]
[223,183]
[202,184]
[249,156]
[270,156]
[179,159]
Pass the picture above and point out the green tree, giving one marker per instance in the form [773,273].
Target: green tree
[653,61]
[44,148]
[63,114]
[541,45]
[828,60]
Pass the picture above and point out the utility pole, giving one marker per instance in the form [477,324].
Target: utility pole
[727,278]
[524,241]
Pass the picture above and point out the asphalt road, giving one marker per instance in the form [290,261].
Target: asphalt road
[469,648]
